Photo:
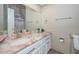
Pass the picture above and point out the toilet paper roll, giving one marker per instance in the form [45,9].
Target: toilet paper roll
[61,41]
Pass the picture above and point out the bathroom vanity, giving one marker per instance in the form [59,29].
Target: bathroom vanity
[42,46]
[30,44]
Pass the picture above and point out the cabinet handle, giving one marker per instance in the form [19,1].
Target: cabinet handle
[31,51]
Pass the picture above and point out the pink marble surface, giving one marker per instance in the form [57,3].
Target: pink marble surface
[14,49]
[2,37]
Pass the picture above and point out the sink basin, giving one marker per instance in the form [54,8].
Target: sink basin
[76,41]
[19,41]
[25,40]
[37,36]
[28,40]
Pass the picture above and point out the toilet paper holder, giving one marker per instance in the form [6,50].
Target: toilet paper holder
[61,40]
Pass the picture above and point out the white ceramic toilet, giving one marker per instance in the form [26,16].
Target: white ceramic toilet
[76,42]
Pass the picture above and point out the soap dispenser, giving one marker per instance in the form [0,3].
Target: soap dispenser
[38,30]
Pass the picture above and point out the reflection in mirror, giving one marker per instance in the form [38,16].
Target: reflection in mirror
[33,19]
[6,12]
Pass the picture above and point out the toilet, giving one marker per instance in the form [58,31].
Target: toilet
[76,43]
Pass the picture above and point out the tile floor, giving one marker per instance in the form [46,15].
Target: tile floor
[52,51]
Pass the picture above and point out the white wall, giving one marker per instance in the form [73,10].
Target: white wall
[61,28]
[34,7]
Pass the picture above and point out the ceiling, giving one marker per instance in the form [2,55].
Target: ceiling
[42,5]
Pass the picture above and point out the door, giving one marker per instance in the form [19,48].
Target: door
[10,20]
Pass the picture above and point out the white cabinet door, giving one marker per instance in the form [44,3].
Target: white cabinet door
[36,51]
[10,20]
[47,46]
[48,43]
[43,49]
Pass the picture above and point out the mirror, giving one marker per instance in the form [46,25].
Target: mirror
[22,18]
[12,18]
[33,19]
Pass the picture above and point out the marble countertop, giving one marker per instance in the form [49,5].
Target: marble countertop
[7,48]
